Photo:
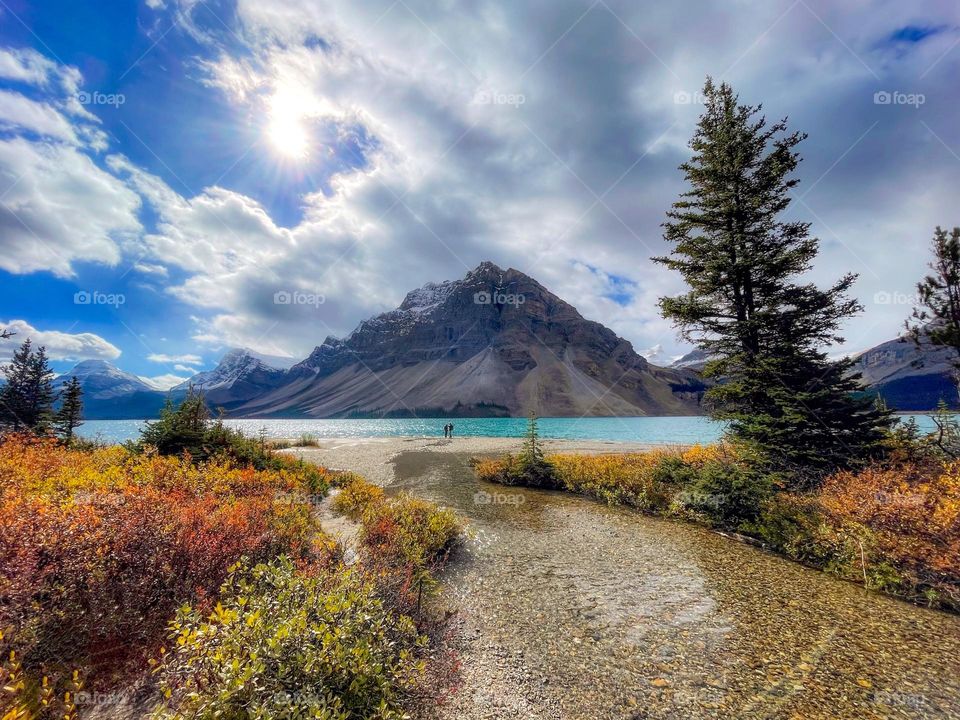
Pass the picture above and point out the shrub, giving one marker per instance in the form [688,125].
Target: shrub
[405,531]
[727,494]
[97,549]
[281,643]
[794,526]
[911,518]
[307,440]
[355,496]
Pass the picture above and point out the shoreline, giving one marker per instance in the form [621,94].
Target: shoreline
[373,457]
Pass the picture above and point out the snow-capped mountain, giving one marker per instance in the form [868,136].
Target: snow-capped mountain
[101,380]
[693,360]
[111,393]
[241,375]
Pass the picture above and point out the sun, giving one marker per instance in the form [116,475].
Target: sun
[286,130]
[288,137]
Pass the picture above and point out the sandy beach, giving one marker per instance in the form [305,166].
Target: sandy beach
[372,457]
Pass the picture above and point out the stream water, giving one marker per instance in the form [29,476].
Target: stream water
[618,615]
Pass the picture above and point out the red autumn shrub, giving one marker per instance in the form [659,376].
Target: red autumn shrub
[98,549]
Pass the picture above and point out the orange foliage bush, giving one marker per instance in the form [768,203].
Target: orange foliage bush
[911,520]
[97,549]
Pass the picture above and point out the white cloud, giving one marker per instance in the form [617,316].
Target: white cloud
[59,345]
[185,368]
[151,269]
[21,113]
[58,207]
[162,358]
[163,382]
[28,66]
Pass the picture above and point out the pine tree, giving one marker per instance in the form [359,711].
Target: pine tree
[70,414]
[533,468]
[532,454]
[26,400]
[937,318]
[180,428]
[746,308]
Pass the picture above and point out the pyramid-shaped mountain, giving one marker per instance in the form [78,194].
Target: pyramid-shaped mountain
[496,342]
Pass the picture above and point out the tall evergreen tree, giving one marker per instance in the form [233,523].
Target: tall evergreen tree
[26,400]
[763,329]
[937,318]
[70,415]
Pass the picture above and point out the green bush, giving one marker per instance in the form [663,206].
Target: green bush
[729,495]
[403,531]
[284,644]
[793,525]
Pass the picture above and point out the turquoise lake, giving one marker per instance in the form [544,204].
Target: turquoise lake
[654,430]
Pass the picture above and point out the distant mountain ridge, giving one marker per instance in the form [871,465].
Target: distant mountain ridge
[909,377]
[240,376]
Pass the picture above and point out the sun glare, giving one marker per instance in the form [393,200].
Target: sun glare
[286,130]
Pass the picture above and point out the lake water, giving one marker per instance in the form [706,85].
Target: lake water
[653,430]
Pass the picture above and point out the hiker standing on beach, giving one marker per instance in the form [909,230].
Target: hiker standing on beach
[451,430]
[446,430]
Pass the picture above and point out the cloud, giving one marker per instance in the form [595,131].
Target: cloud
[163,382]
[162,358]
[151,269]
[57,206]
[185,368]
[59,345]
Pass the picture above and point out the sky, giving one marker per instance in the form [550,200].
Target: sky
[179,177]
